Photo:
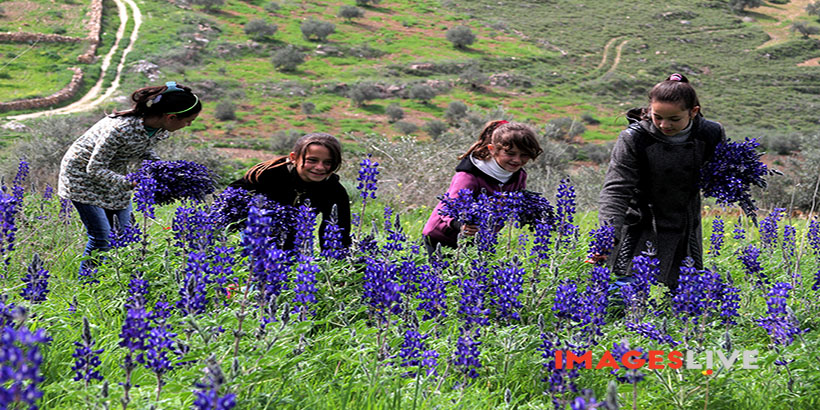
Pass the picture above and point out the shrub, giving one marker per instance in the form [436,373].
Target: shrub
[308,107]
[406,127]
[394,112]
[422,92]
[804,29]
[460,36]
[456,110]
[589,119]
[225,111]
[259,29]
[208,5]
[350,12]
[288,58]
[317,30]
[473,76]
[283,140]
[362,92]
[435,128]
[740,5]
[597,153]
[272,7]
[367,2]
[564,128]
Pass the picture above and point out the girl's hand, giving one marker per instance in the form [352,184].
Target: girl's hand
[597,259]
[469,230]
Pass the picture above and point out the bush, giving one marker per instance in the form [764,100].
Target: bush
[740,5]
[597,153]
[209,5]
[564,128]
[405,127]
[394,112]
[456,110]
[362,92]
[422,92]
[308,107]
[460,36]
[317,30]
[435,128]
[283,140]
[272,7]
[225,111]
[288,58]
[804,29]
[781,144]
[350,12]
[589,119]
[259,29]
[367,2]
[473,76]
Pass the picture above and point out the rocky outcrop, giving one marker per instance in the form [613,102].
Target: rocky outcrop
[22,37]
[63,95]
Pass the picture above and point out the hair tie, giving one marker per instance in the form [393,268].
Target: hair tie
[153,101]
[676,77]
[502,122]
[172,86]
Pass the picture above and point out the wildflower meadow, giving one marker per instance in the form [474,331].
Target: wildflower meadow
[198,306]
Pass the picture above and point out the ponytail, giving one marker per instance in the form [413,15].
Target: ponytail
[675,89]
[171,98]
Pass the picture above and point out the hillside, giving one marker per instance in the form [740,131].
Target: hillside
[536,60]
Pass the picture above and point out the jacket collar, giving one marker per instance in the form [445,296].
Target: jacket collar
[467,166]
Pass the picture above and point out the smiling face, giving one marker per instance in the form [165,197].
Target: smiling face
[671,118]
[511,159]
[316,165]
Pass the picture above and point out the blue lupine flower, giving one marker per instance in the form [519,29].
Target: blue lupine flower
[194,228]
[207,391]
[729,301]
[465,358]
[505,288]
[175,180]
[816,284]
[788,246]
[381,288]
[779,324]
[738,232]
[36,281]
[144,195]
[17,189]
[8,228]
[716,239]
[567,304]
[603,241]
[120,237]
[48,192]
[465,207]
[587,402]
[754,271]
[432,294]
[565,210]
[560,379]
[193,293]
[814,236]
[20,360]
[231,206]
[625,375]
[414,354]
[636,293]
[305,225]
[395,233]
[733,169]
[698,293]
[332,245]
[541,239]
[305,287]
[368,171]
[135,330]
[87,359]
[471,305]
[160,340]
[768,228]
[65,210]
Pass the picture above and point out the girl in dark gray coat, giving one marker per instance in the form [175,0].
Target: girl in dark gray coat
[651,192]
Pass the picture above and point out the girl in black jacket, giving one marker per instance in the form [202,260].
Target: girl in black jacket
[307,173]
[651,191]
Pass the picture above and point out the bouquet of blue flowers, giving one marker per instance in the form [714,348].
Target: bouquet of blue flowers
[176,180]
[735,167]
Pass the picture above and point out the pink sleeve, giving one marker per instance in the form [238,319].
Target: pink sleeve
[439,225]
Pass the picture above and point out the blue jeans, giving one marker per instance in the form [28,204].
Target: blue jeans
[98,223]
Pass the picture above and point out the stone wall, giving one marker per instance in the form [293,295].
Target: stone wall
[53,99]
[94,30]
[22,37]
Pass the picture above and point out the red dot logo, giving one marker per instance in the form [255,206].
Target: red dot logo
[707,372]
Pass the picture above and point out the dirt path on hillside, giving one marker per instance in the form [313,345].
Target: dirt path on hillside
[95,96]
[784,14]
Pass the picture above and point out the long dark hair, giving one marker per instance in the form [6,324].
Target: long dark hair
[505,135]
[171,98]
[300,148]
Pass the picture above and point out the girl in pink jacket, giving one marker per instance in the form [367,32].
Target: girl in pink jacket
[494,163]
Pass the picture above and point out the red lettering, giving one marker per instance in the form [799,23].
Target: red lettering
[675,359]
[607,361]
[585,358]
[630,359]
[655,359]
[559,359]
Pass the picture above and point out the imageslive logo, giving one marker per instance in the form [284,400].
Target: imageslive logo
[657,359]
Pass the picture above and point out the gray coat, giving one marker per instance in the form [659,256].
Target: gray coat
[651,193]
